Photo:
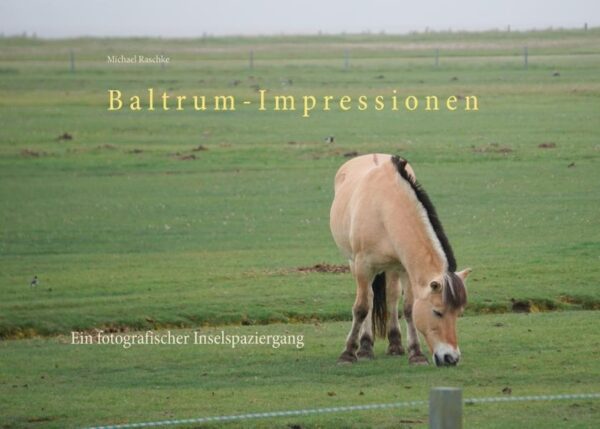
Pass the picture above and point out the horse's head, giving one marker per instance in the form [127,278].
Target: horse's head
[435,314]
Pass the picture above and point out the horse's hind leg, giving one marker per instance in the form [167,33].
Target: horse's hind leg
[367,337]
[415,356]
[376,321]
[361,308]
[392,297]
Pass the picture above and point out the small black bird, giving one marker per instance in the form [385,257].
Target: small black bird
[34,282]
[329,139]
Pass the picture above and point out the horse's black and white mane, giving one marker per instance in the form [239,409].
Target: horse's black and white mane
[434,220]
[455,294]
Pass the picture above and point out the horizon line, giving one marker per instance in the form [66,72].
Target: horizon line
[206,35]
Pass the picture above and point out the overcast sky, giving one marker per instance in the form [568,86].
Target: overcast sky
[186,18]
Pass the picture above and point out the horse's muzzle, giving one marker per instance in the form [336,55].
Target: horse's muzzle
[447,360]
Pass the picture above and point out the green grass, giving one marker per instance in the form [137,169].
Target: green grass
[77,385]
[124,234]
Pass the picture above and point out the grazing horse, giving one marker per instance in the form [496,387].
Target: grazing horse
[385,224]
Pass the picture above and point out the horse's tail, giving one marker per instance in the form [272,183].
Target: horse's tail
[379,314]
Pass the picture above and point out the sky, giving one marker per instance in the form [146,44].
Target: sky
[187,18]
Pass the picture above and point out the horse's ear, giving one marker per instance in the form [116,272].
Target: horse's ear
[464,274]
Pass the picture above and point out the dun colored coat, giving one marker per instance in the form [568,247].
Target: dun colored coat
[385,224]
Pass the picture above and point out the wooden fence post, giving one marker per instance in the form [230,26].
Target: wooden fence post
[445,408]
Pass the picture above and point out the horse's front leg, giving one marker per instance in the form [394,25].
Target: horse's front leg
[393,297]
[360,310]
[415,356]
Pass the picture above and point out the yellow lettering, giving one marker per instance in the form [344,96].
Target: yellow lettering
[307,107]
[134,103]
[451,102]
[180,99]
[227,100]
[262,99]
[165,98]
[284,101]
[114,95]
[344,103]
[150,99]
[202,104]
[411,102]
[362,102]
[429,99]
[468,99]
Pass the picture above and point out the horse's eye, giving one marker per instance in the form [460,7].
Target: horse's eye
[438,314]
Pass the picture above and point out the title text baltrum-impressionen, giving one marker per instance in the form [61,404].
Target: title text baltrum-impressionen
[305,104]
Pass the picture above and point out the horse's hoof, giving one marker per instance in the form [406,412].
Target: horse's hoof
[365,354]
[395,350]
[418,360]
[346,358]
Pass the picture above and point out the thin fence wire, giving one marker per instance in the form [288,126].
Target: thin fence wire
[328,410]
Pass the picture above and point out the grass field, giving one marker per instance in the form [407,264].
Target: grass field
[125,233]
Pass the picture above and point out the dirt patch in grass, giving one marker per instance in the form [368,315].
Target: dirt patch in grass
[30,153]
[582,302]
[323,268]
[491,148]
[107,146]
[42,419]
[533,305]
[547,145]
